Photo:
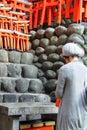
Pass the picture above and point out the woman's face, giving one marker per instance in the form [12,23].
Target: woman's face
[66,58]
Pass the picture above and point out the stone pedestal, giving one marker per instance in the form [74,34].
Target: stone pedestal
[10,112]
[9,122]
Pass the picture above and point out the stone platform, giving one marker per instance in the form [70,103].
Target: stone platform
[11,112]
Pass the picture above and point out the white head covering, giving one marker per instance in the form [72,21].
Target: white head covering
[72,49]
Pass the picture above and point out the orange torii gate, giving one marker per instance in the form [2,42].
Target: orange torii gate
[14,31]
[39,12]
[57,12]
[22,7]
[74,8]
[46,11]
[54,8]
[84,16]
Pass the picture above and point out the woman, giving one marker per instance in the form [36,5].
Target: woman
[71,89]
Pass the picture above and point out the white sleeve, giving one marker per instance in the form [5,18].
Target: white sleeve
[60,84]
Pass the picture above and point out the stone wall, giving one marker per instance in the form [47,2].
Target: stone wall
[46,45]
[18,78]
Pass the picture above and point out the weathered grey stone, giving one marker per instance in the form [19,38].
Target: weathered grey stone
[44,80]
[30,45]
[1,98]
[50,49]
[49,32]
[14,56]
[53,97]
[35,59]
[35,86]
[53,40]
[42,98]
[39,50]
[53,57]
[63,22]
[59,49]
[40,73]
[50,85]
[76,38]
[61,58]
[42,58]
[33,34]
[10,98]
[35,43]
[47,65]
[50,74]
[38,65]
[29,71]
[40,33]
[32,51]
[75,28]
[85,31]
[85,39]
[27,58]
[3,55]
[14,70]
[22,118]
[60,30]
[26,98]
[22,85]
[57,65]
[33,117]
[8,85]
[85,59]
[44,42]
[85,48]
[62,40]
[68,21]
[3,70]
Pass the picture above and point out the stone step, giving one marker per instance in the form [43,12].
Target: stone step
[16,57]
[23,97]
[9,63]
[27,108]
[15,78]
[18,70]
[21,85]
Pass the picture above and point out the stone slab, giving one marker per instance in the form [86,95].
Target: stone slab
[17,109]
[23,97]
